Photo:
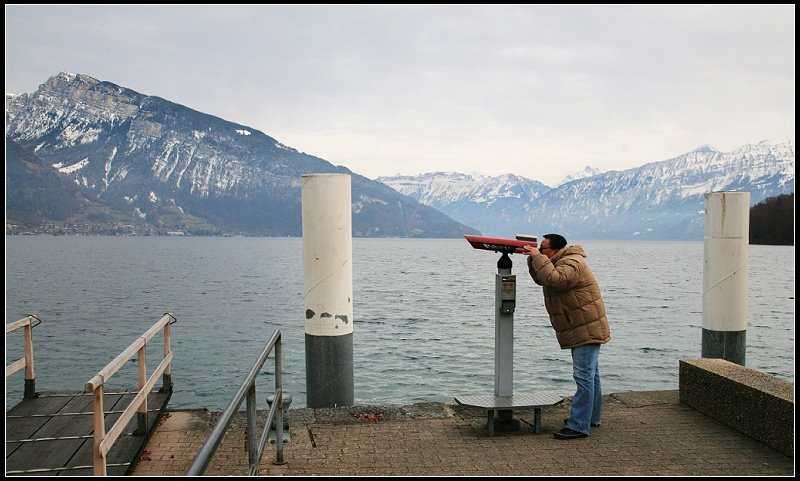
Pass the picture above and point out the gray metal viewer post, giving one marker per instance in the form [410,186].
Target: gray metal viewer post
[500,406]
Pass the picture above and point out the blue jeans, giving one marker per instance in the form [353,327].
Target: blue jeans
[588,401]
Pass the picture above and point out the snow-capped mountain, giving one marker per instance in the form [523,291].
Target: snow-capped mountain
[476,200]
[587,171]
[79,149]
[659,200]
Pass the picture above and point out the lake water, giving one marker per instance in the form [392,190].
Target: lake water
[423,309]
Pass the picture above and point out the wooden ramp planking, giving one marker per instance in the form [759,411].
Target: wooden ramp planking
[60,427]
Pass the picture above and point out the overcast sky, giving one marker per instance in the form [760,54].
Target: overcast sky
[539,91]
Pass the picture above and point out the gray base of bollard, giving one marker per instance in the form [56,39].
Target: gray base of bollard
[272,437]
[287,435]
[728,345]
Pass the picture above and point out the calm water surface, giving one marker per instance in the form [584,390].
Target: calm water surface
[423,308]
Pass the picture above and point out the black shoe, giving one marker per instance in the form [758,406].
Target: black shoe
[568,433]
[594,425]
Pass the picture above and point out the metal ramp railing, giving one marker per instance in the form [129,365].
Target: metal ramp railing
[27,360]
[247,390]
[104,440]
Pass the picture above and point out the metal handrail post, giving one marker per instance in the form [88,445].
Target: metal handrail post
[99,422]
[30,378]
[166,384]
[252,445]
[141,415]
[279,402]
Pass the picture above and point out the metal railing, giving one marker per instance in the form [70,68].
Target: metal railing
[104,441]
[248,390]
[27,360]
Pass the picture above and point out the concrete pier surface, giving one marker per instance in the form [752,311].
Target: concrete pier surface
[643,433]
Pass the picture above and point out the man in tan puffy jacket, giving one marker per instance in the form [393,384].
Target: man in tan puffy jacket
[578,315]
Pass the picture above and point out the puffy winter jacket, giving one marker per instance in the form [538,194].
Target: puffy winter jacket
[572,297]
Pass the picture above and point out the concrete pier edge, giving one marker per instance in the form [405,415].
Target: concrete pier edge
[752,402]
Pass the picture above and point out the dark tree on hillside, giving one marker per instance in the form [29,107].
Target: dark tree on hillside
[772,221]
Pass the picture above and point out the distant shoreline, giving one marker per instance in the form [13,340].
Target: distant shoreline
[34,232]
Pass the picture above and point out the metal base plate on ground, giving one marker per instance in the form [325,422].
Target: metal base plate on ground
[494,403]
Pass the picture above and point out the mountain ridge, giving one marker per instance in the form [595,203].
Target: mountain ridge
[152,161]
[658,200]
[81,150]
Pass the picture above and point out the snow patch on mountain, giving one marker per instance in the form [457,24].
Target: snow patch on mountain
[71,168]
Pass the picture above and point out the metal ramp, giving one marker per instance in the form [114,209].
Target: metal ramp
[52,434]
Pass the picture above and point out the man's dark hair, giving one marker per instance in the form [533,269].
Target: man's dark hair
[556,241]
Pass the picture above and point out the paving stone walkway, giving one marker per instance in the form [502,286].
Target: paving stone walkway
[643,433]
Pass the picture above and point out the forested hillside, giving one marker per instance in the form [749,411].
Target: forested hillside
[772,221]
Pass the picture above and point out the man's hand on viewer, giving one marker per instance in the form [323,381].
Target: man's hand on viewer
[530,250]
